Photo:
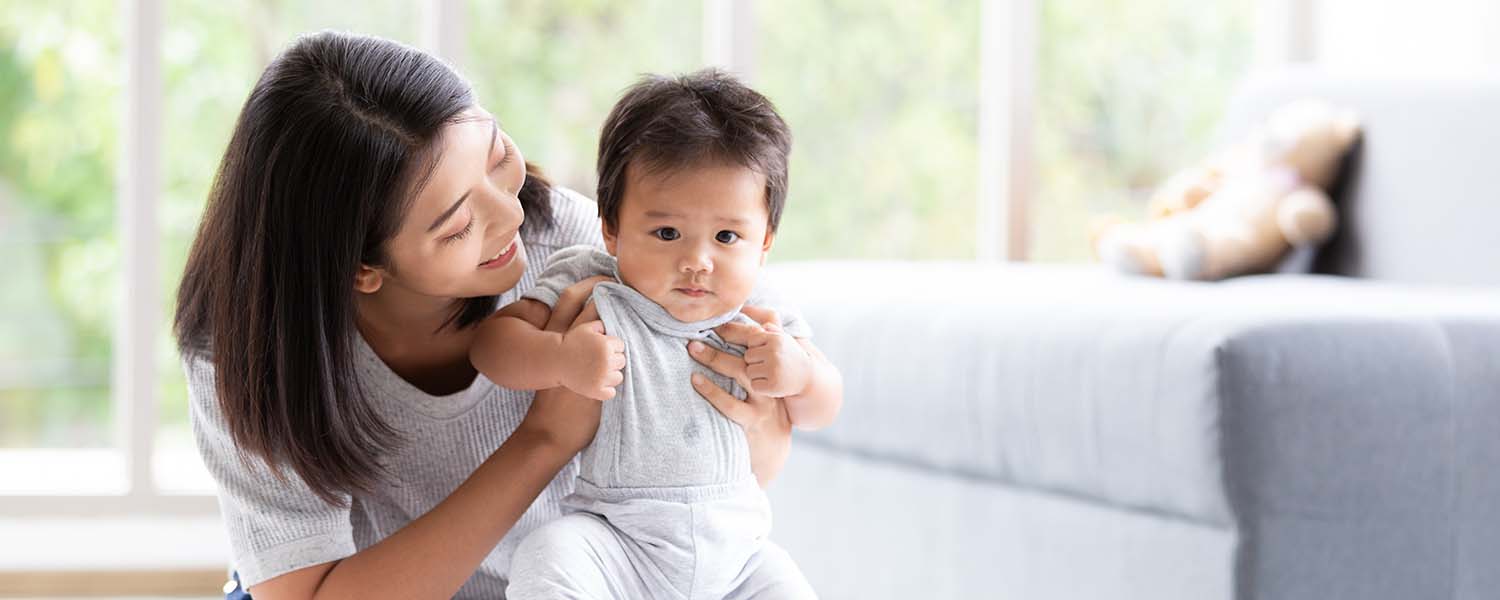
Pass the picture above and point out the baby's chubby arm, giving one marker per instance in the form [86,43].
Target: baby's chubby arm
[514,349]
[820,400]
[779,365]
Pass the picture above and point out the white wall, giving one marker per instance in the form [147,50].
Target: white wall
[1433,38]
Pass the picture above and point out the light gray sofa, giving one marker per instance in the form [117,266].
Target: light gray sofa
[1061,432]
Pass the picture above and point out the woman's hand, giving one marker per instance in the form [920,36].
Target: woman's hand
[559,414]
[768,428]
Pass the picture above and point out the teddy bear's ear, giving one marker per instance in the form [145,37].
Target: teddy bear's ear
[1346,126]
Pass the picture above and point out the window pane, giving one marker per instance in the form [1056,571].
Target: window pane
[61,74]
[213,51]
[882,100]
[1127,94]
[550,70]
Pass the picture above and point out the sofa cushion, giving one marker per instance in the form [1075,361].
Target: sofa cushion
[1078,381]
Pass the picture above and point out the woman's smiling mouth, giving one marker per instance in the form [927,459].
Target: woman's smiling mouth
[501,258]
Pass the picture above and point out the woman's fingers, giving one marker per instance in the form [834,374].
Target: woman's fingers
[764,316]
[743,334]
[725,364]
[732,408]
[757,371]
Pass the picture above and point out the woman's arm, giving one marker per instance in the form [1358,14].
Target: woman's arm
[434,555]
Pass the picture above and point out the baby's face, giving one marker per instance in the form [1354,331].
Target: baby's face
[692,240]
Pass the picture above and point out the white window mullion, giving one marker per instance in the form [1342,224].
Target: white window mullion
[67,506]
[443,32]
[729,36]
[1007,95]
[1285,32]
[139,178]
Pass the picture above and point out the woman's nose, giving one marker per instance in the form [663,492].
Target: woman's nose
[503,212]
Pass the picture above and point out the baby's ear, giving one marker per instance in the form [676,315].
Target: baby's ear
[611,237]
[765,247]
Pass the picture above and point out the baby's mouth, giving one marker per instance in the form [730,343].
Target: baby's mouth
[692,292]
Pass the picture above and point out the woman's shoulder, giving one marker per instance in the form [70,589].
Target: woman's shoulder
[575,221]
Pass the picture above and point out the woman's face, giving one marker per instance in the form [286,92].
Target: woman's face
[460,237]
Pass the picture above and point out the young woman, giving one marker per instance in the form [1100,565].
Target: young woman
[366,215]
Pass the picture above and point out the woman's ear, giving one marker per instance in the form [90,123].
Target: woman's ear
[368,279]
[765,247]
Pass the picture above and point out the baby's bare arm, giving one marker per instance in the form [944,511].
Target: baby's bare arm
[529,346]
[514,350]
[781,366]
[819,403]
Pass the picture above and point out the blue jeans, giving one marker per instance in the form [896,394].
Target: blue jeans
[237,591]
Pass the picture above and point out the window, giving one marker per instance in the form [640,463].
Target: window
[886,101]
[549,71]
[882,99]
[1127,93]
[60,89]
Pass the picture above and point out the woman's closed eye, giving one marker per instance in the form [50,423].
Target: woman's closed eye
[666,234]
[510,154]
[462,233]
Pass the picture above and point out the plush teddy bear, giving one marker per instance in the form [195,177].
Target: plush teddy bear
[1241,211]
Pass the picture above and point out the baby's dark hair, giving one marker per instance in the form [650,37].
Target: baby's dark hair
[699,119]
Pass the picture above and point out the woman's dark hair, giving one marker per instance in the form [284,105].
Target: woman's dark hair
[703,117]
[335,140]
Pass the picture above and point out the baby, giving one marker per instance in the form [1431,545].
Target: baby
[692,180]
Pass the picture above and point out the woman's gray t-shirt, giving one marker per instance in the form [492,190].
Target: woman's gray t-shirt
[279,525]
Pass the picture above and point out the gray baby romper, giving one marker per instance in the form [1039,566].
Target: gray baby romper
[665,505]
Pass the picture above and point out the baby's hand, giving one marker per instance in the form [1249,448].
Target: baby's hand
[774,360]
[592,361]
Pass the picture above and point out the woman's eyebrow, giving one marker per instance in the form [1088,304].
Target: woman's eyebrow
[449,212]
[494,135]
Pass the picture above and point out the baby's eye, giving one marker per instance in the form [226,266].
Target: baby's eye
[666,234]
[727,237]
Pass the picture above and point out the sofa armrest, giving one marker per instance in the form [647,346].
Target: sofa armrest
[1363,453]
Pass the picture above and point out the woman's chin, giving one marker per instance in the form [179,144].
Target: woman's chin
[502,280]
